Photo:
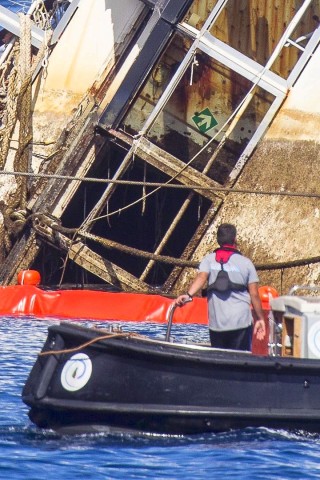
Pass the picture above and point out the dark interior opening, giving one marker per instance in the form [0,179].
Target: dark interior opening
[133,222]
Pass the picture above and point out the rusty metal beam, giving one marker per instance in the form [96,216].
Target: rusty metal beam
[86,258]
[83,256]
[172,166]
[192,245]
[195,238]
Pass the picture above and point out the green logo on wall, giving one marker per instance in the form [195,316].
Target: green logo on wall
[204,120]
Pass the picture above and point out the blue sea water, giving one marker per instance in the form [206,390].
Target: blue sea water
[27,452]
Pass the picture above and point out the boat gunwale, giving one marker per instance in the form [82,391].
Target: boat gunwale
[192,353]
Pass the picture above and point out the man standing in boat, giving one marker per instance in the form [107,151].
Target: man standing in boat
[232,287]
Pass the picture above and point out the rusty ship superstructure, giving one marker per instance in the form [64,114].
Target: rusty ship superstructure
[130,129]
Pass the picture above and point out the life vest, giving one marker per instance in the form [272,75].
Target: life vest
[223,283]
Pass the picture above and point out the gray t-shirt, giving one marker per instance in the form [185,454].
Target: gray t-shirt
[229,310]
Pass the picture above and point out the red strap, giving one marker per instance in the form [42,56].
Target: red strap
[223,255]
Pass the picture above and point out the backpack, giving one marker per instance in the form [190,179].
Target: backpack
[223,283]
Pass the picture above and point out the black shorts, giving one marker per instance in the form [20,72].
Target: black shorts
[232,339]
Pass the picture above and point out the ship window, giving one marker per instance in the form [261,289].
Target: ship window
[199,113]
[155,85]
[254,28]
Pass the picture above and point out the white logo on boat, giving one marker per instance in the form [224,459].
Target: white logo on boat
[314,339]
[76,372]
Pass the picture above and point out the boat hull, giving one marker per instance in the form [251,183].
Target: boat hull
[100,382]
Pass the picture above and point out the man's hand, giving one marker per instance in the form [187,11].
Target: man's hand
[182,299]
[197,284]
[259,329]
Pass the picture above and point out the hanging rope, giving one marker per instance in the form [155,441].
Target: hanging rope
[9,117]
[41,16]
[18,115]
[22,158]
[281,193]
[111,244]
[90,342]
[15,214]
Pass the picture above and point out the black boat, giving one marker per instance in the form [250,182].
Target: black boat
[89,380]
